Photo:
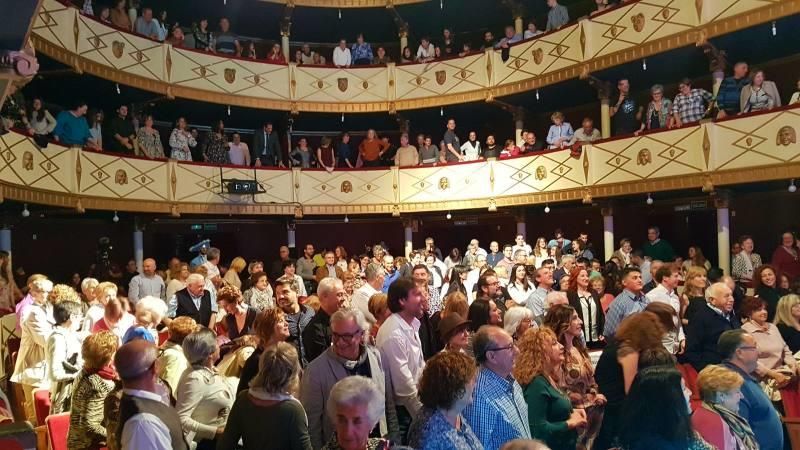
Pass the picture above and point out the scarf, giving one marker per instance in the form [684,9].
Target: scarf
[106,372]
[745,438]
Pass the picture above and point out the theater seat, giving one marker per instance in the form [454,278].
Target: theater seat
[793,429]
[41,403]
[17,436]
[57,430]
[689,375]
[790,396]
[162,337]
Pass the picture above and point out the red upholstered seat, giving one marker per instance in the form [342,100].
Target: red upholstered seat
[790,396]
[41,403]
[162,337]
[57,430]
[689,375]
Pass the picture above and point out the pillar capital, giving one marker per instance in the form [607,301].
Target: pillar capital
[286,27]
[722,199]
[607,211]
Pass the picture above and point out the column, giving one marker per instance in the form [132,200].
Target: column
[521,226]
[5,239]
[608,232]
[285,46]
[291,238]
[721,203]
[519,26]
[408,237]
[404,40]
[138,248]
[605,118]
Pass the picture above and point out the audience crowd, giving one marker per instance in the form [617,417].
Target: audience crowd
[476,350]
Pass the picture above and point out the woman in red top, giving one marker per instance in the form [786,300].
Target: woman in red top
[785,258]
[326,157]
[276,55]
[371,149]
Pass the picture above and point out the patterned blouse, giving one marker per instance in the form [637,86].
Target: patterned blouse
[578,379]
[372,444]
[150,143]
[216,149]
[86,430]
[759,101]
[259,300]
[432,431]
[180,142]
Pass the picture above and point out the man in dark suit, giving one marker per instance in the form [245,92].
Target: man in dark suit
[707,324]
[266,150]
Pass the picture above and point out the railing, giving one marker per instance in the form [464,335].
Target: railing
[629,32]
[755,147]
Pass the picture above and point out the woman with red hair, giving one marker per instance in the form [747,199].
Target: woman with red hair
[587,304]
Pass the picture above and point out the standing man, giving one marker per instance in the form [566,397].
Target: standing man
[494,256]
[430,247]
[392,273]
[707,325]
[317,334]
[631,300]
[544,284]
[297,316]
[266,149]
[690,104]
[145,421]
[730,91]
[122,131]
[668,278]
[374,274]
[452,145]
[201,248]
[567,264]
[276,269]
[651,284]
[521,245]
[306,266]
[193,301]
[657,248]
[506,262]
[498,412]
[330,269]
[146,283]
[557,17]
[627,114]
[399,343]
[212,266]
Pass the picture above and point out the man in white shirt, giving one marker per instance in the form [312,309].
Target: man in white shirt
[147,283]
[375,275]
[341,55]
[474,274]
[426,51]
[145,421]
[401,348]
[212,265]
[669,277]
[521,245]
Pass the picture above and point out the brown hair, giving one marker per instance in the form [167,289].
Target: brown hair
[757,283]
[229,294]
[257,276]
[558,319]
[455,302]
[265,323]
[641,331]
[181,327]
[665,312]
[445,378]
[533,358]
[378,304]
[751,305]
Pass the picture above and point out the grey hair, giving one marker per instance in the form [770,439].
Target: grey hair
[713,291]
[153,305]
[327,285]
[199,345]
[657,88]
[566,258]
[357,390]
[514,316]
[195,277]
[212,254]
[373,271]
[43,285]
[524,444]
[89,283]
[350,314]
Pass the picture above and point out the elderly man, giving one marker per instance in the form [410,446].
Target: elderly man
[473,251]
[276,269]
[657,248]
[738,349]
[374,275]
[400,346]
[146,283]
[498,412]
[145,421]
[567,264]
[651,284]
[212,266]
[478,266]
[317,335]
[347,356]
[631,300]
[708,324]
[391,273]
[194,301]
[297,316]
[668,278]
[330,269]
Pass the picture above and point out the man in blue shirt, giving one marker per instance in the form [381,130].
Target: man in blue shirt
[391,273]
[741,355]
[631,300]
[71,127]
[146,25]
[730,90]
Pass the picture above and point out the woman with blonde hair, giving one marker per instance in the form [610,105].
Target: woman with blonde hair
[787,319]
[232,275]
[694,292]
[718,420]
[177,279]
[149,313]
[538,370]
[103,293]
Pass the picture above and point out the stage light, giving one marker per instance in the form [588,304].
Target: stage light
[649,199]
[547,209]
[25,212]
[115,219]
[792,187]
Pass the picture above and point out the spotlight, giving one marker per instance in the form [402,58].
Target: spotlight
[25,212]
[644,64]
[346,219]
[774,28]
[547,209]
[792,187]
[649,199]
[449,216]
[537,94]
[115,219]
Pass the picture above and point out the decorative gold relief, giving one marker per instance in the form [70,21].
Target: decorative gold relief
[256,79]
[541,173]
[78,169]
[706,146]
[27,161]
[391,82]
[560,49]
[203,71]
[117,48]
[638,22]
[121,177]
[395,210]
[365,84]
[95,41]
[298,212]
[698,6]
[76,29]
[174,181]
[441,77]
[341,83]
[347,187]
[230,75]
[786,136]
[708,184]
[444,184]
[665,13]
[369,187]
[644,157]
[538,55]
[587,196]
[749,141]
[518,63]
[168,62]
[463,74]
[582,40]
[614,31]
[419,80]
[138,55]
[320,84]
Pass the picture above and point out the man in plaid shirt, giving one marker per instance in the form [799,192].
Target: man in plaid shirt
[690,104]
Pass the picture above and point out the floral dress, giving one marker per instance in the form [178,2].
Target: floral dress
[180,142]
[216,150]
[150,143]
[578,381]
[259,300]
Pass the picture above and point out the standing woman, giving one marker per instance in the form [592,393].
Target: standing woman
[260,295]
[785,258]
[577,372]
[538,370]
[588,307]
[695,259]
[149,140]
[202,36]
[40,123]
[240,318]
[760,94]
[540,251]
[63,354]
[178,280]
[746,261]
[658,110]
[458,275]
[694,293]
[232,275]
[520,288]
[215,150]
[96,127]
[341,257]
[765,286]
[204,397]
[181,141]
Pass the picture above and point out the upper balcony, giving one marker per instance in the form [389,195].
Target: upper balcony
[627,33]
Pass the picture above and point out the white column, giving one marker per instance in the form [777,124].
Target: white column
[5,240]
[285,46]
[138,249]
[724,239]
[608,233]
[518,25]
[408,235]
[291,239]
[521,228]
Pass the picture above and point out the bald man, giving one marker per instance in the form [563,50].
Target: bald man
[146,283]
[707,324]
[145,421]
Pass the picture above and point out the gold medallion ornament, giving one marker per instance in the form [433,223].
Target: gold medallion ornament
[786,136]
[638,22]
[230,75]
[444,183]
[342,84]
[644,157]
[117,48]
[347,187]
[27,161]
[121,177]
[441,77]
[541,173]
[538,56]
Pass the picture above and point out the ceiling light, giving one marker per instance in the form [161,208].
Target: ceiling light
[115,219]
[537,94]
[649,199]
[441,111]
[118,92]
[340,14]
[229,110]
[346,219]
[792,187]
[644,64]
[25,212]
[449,216]
[547,209]
[774,28]
[342,117]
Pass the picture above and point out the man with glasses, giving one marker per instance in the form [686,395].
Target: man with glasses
[708,324]
[741,355]
[347,356]
[498,412]
[317,334]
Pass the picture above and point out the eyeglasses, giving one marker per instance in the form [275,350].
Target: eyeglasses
[748,347]
[347,337]
[500,349]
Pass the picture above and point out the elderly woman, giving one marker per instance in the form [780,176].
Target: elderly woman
[116,318]
[355,406]
[745,262]
[445,389]
[102,293]
[765,285]
[538,370]
[178,279]
[149,313]
[204,397]
[787,319]
[776,365]
[517,320]
[172,362]
[232,275]
[63,354]
[658,110]
[260,295]
[577,372]
[718,420]
[454,333]
[267,416]
[271,328]
[378,306]
[87,289]
[239,318]
[90,388]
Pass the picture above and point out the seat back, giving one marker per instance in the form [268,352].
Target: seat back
[58,430]
[41,403]
[689,375]
[793,429]
[17,436]
[790,396]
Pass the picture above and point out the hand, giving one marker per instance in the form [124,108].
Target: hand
[600,399]
[281,165]
[722,114]
[220,430]
[577,419]
[258,162]
[129,146]
[781,380]
[682,347]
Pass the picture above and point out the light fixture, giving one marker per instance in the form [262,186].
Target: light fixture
[441,111]
[547,209]
[492,205]
[118,92]
[644,64]
[449,216]
[441,4]
[340,13]
[346,219]
[537,95]
[342,117]
[229,110]
[649,199]
[115,219]
[774,28]
[25,212]
[792,187]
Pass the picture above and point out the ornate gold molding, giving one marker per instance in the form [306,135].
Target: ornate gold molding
[550,59]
